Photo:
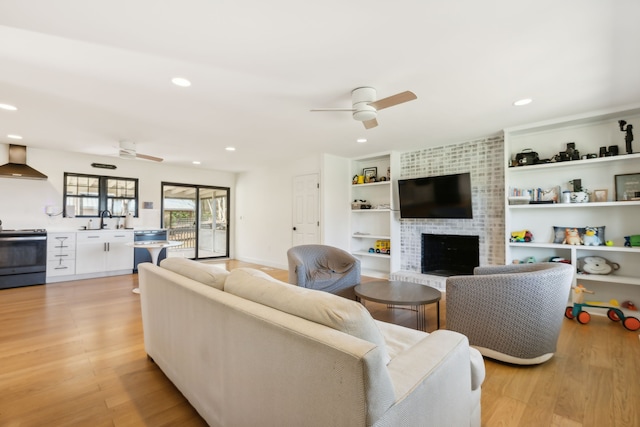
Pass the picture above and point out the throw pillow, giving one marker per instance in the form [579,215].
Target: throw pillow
[207,274]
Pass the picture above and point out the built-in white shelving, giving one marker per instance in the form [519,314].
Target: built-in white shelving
[620,218]
[379,222]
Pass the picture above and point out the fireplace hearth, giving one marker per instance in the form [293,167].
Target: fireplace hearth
[449,254]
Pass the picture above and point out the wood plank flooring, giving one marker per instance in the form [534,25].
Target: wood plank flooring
[72,354]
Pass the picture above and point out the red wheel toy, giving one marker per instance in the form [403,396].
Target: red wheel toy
[583,317]
[568,312]
[613,315]
[631,323]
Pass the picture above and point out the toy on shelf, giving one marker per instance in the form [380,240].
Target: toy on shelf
[572,237]
[383,247]
[631,241]
[596,265]
[590,237]
[521,236]
[559,259]
[529,260]
[614,313]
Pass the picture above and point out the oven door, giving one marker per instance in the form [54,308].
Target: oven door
[23,260]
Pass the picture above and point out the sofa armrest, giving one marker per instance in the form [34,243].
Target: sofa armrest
[433,380]
[478,371]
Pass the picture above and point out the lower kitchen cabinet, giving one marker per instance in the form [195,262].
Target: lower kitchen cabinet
[61,256]
[104,252]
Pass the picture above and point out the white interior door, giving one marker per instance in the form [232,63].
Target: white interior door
[305,210]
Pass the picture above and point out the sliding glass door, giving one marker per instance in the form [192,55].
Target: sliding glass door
[196,215]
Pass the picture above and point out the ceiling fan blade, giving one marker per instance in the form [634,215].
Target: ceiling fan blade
[368,124]
[315,110]
[392,100]
[147,157]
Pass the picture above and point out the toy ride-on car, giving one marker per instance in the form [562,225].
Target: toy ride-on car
[614,313]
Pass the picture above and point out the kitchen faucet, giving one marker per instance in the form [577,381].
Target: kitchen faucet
[102,224]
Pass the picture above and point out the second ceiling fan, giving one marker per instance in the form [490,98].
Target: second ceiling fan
[128,151]
[365,107]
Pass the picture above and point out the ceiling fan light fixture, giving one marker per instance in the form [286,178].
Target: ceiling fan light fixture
[364,112]
[127,150]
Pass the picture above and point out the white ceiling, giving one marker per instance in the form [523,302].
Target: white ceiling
[87,74]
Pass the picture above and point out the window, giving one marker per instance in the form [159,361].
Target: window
[88,195]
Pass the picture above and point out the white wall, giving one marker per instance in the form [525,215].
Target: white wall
[23,201]
[263,211]
[334,198]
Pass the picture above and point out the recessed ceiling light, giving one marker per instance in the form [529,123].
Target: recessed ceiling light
[361,140]
[180,81]
[8,107]
[195,162]
[521,102]
[230,149]
[14,136]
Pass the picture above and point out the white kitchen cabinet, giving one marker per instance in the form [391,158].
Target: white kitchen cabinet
[104,252]
[119,251]
[620,218]
[61,256]
[380,222]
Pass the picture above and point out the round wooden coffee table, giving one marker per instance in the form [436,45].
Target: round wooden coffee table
[395,292]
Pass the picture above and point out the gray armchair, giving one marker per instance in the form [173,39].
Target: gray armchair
[324,268]
[511,313]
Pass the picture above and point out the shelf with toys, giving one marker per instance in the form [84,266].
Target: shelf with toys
[375,228]
[594,152]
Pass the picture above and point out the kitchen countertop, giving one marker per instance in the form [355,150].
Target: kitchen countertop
[71,230]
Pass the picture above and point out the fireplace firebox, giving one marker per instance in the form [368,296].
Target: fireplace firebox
[449,255]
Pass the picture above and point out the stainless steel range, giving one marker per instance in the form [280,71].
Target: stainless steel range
[23,257]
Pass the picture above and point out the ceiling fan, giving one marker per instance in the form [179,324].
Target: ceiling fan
[365,107]
[128,151]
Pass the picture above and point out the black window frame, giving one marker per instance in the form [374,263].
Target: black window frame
[103,193]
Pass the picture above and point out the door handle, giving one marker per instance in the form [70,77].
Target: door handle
[294,229]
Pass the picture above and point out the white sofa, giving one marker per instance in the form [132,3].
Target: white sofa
[247,350]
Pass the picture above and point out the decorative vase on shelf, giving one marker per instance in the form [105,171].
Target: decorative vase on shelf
[579,197]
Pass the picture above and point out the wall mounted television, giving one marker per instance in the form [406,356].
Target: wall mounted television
[442,196]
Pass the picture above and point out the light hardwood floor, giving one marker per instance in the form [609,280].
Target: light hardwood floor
[72,354]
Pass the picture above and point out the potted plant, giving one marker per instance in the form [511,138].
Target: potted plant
[579,194]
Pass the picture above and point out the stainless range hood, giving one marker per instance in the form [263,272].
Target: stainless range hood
[17,166]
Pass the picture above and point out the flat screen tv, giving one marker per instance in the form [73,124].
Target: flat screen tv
[443,196]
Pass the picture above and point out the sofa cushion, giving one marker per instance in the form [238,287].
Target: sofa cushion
[210,275]
[399,338]
[320,307]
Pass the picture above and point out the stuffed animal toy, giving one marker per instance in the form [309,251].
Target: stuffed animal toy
[596,265]
[572,237]
[590,237]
